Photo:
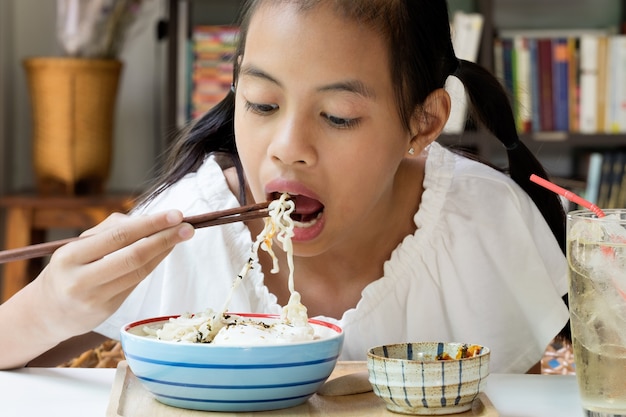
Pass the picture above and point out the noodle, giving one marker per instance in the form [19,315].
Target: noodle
[203,327]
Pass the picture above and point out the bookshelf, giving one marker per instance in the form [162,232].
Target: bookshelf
[183,16]
[560,151]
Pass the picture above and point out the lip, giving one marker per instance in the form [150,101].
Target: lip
[306,234]
[281,185]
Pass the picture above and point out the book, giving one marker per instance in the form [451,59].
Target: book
[498,61]
[605,179]
[615,113]
[620,88]
[573,83]
[466,35]
[522,84]
[560,87]
[212,69]
[588,58]
[458,106]
[507,64]
[551,33]
[535,104]
[602,84]
[615,183]
[594,172]
[544,47]
[621,199]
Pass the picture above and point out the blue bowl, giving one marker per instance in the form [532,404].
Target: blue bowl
[209,377]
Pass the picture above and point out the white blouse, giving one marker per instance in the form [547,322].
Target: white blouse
[482,267]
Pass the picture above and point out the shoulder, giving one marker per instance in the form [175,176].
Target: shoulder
[458,186]
[478,219]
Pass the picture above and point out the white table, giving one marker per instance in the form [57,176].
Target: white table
[63,392]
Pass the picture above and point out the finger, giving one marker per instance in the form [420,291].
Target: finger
[121,233]
[101,286]
[138,259]
[111,220]
[116,291]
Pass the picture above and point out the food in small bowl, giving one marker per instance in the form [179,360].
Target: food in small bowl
[247,376]
[428,378]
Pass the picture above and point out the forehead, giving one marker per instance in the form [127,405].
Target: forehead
[321,37]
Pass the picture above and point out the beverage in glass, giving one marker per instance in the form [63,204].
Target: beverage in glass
[596,253]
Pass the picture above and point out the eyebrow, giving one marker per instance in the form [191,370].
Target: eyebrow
[350,86]
[255,72]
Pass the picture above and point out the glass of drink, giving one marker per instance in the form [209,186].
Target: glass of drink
[596,253]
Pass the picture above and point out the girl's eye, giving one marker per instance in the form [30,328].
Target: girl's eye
[260,108]
[340,122]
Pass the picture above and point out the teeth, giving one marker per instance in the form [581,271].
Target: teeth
[307,224]
[277,194]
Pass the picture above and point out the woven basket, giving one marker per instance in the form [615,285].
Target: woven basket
[73,107]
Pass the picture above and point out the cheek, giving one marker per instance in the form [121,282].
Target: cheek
[240,125]
[364,170]
[247,145]
[251,153]
[377,169]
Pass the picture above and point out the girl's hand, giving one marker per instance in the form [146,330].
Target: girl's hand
[87,280]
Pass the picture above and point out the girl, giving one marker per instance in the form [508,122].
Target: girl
[338,103]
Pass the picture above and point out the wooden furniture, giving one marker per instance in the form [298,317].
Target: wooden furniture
[29,217]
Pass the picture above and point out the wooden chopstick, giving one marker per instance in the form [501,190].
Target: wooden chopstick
[216,218]
[237,214]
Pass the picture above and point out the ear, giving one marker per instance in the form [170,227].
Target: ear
[429,120]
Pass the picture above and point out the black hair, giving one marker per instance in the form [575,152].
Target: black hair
[421,59]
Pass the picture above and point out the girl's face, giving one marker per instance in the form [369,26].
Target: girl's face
[316,117]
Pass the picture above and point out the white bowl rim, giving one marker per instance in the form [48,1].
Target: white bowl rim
[338,332]
[485,351]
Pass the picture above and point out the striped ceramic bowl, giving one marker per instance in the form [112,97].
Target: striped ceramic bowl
[426,378]
[208,377]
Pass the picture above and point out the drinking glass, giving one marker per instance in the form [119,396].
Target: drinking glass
[596,253]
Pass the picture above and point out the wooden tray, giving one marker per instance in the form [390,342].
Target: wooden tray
[129,398]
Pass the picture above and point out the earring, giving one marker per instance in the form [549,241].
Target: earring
[411,151]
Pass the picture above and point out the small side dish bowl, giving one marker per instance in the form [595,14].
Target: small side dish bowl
[426,378]
[203,376]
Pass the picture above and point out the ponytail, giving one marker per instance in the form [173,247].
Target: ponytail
[491,107]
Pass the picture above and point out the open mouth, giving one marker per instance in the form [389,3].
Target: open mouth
[307,210]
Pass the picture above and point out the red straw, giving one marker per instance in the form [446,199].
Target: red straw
[567,194]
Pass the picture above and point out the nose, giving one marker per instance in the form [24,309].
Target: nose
[293,143]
